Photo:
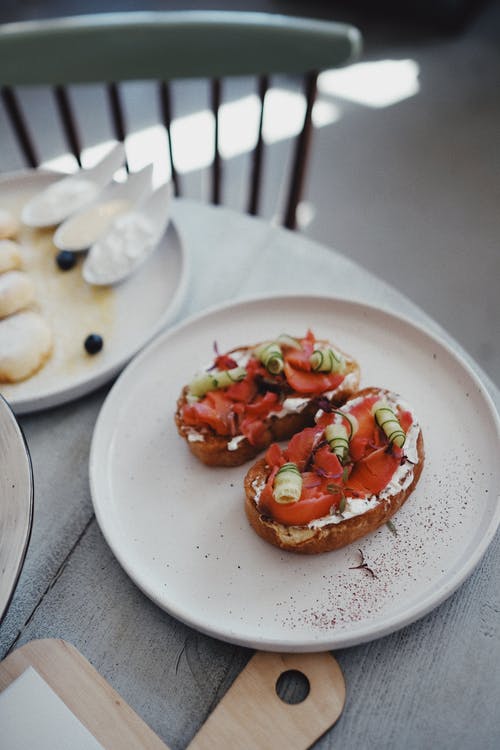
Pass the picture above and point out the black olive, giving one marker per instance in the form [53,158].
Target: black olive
[65,260]
[93,343]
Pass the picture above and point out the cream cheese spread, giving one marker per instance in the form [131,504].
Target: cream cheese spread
[296,404]
[401,480]
[257,486]
[194,436]
[234,442]
[355,506]
[292,405]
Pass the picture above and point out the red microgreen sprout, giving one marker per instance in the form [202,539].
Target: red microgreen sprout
[363,565]
[324,404]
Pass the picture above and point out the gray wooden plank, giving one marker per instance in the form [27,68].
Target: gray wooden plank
[58,441]
[433,683]
[168,673]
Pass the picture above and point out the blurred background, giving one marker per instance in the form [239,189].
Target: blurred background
[405,169]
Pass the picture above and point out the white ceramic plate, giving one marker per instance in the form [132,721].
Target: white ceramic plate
[179,528]
[128,316]
[16,503]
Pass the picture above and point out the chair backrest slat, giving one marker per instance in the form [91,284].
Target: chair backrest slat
[115,48]
[301,152]
[68,122]
[215,96]
[256,176]
[166,113]
[182,44]
[116,110]
[19,126]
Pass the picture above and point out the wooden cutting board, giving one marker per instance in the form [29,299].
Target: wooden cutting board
[92,700]
[251,714]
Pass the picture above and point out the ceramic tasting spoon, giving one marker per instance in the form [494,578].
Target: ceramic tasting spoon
[66,196]
[129,241]
[88,225]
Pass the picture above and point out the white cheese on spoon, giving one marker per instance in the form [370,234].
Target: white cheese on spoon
[130,240]
[59,200]
[126,244]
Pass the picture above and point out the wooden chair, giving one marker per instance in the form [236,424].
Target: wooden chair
[165,46]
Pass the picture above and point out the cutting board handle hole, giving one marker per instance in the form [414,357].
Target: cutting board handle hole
[292,686]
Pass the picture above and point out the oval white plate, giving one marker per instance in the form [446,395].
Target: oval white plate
[16,503]
[179,528]
[139,308]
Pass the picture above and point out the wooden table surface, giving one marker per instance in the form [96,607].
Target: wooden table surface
[432,684]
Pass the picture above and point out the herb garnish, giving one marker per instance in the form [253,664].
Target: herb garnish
[363,566]
[336,489]
[324,404]
[391,527]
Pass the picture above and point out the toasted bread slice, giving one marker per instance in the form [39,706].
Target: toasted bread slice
[354,513]
[291,412]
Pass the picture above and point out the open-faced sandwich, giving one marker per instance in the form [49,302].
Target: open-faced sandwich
[253,395]
[339,480]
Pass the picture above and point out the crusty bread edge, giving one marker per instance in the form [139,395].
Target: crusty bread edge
[305,540]
[213,450]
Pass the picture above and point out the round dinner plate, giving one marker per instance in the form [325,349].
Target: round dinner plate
[128,315]
[16,503]
[179,528]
